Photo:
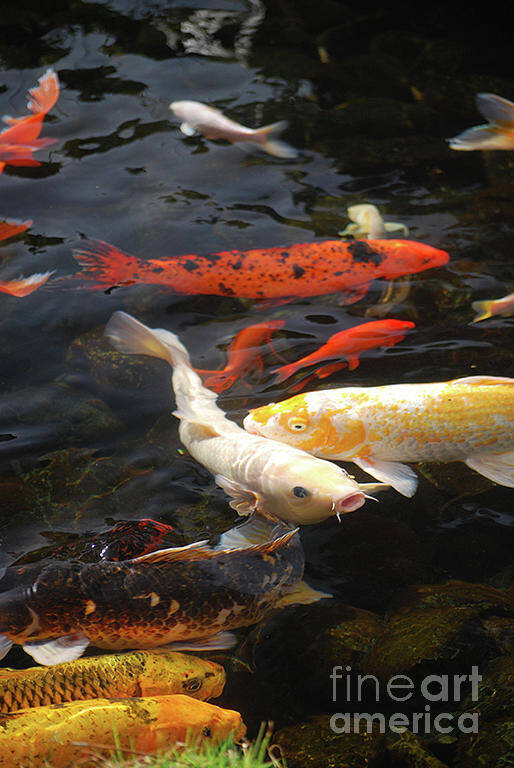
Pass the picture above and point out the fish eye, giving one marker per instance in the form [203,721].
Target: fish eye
[300,492]
[296,424]
[192,685]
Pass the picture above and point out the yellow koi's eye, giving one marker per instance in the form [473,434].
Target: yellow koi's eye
[297,424]
[192,685]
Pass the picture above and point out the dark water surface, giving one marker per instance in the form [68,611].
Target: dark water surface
[370,98]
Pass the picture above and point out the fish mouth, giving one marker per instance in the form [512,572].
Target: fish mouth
[349,503]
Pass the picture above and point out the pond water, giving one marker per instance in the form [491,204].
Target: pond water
[370,98]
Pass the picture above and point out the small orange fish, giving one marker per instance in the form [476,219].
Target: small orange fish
[276,274]
[469,420]
[348,344]
[20,140]
[75,733]
[244,352]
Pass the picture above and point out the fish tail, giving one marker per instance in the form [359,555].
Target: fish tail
[44,96]
[132,337]
[284,372]
[106,265]
[24,285]
[483,309]
[218,381]
[11,227]
[267,138]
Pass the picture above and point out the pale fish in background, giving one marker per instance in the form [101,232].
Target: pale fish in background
[368,223]
[493,307]
[211,123]
[469,419]
[497,133]
[258,474]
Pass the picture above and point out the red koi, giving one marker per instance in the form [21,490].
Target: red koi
[348,344]
[11,227]
[277,274]
[20,140]
[243,353]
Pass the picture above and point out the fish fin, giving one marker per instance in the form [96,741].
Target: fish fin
[495,108]
[5,645]
[373,487]
[189,551]
[243,500]
[267,136]
[24,286]
[256,530]
[498,467]
[266,304]
[393,473]
[478,137]
[66,648]
[301,594]
[353,362]
[130,336]
[396,226]
[351,295]
[219,642]
[11,227]
[499,380]
[187,129]
[483,309]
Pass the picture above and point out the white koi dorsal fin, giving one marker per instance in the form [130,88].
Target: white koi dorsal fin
[393,473]
[66,648]
[222,641]
[482,380]
[301,594]
[197,549]
[242,499]
[498,467]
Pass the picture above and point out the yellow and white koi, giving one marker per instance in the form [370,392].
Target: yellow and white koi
[497,133]
[368,223]
[469,419]
[493,307]
[259,475]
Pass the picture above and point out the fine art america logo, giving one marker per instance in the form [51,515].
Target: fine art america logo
[435,690]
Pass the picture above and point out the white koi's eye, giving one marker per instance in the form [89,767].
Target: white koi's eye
[300,492]
[296,424]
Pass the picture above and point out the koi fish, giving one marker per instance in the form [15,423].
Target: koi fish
[20,140]
[258,475]
[493,307]
[469,419]
[213,124]
[12,227]
[369,223]
[349,344]
[73,733]
[497,133]
[23,285]
[277,274]
[138,673]
[189,596]
[243,353]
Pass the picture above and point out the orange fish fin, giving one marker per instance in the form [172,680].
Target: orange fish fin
[353,362]
[44,96]
[220,642]
[273,303]
[198,549]
[351,295]
[11,227]
[24,285]
[498,467]
[393,473]
[105,265]
[482,380]
[329,368]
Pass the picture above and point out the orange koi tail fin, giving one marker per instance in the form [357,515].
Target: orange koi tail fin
[25,130]
[285,371]
[11,227]
[105,265]
[218,381]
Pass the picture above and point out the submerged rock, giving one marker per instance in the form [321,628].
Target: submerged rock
[405,750]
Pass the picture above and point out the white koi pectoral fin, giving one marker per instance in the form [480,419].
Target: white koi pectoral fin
[242,499]
[187,129]
[399,476]
[254,531]
[5,645]
[498,467]
[301,594]
[222,641]
[67,648]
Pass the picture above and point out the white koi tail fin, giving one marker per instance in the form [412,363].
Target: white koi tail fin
[195,403]
[498,467]
[483,309]
[267,137]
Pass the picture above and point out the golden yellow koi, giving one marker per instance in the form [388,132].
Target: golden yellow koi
[469,419]
[140,673]
[63,734]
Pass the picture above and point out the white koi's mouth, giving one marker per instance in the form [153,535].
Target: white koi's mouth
[349,503]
